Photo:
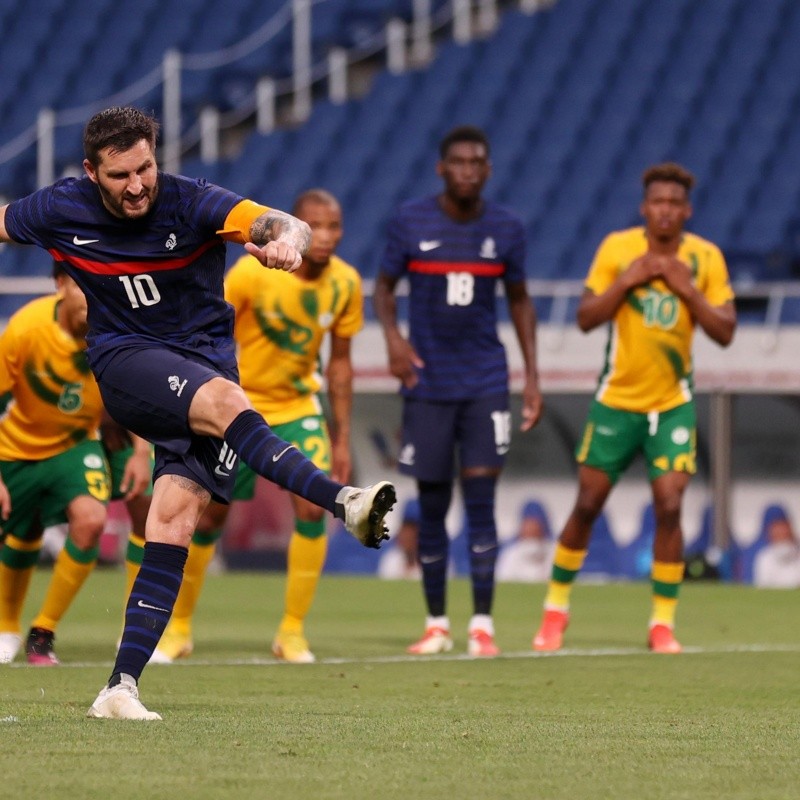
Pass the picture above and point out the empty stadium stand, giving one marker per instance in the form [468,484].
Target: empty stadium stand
[577,98]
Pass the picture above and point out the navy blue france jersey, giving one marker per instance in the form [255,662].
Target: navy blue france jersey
[157,280]
[453,269]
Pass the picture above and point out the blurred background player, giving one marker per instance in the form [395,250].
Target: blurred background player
[777,563]
[282,320]
[527,558]
[52,463]
[653,284]
[400,561]
[454,248]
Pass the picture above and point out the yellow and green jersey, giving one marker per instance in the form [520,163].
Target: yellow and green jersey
[281,321]
[49,400]
[648,365]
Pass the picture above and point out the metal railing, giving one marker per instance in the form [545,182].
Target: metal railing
[402,44]
[560,293]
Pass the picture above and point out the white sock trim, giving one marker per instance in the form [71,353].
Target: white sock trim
[481,622]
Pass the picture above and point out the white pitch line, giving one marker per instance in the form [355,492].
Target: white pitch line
[608,652]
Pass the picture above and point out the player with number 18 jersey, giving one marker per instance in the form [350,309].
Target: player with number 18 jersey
[453,269]
[455,249]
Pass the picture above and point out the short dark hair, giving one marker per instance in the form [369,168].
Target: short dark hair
[670,172]
[463,133]
[118,128]
[315,195]
[58,269]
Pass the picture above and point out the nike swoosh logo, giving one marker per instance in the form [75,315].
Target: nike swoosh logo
[432,245]
[430,559]
[278,455]
[77,240]
[483,548]
[221,472]
[142,604]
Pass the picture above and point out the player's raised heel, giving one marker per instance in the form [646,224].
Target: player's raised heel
[365,509]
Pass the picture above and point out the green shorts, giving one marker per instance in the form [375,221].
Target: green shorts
[41,490]
[612,438]
[117,461]
[308,434]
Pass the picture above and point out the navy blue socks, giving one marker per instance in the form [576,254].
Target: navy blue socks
[280,462]
[434,546]
[478,495]
[149,607]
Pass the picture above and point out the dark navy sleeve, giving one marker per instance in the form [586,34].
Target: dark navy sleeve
[30,219]
[395,256]
[211,205]
[515,261]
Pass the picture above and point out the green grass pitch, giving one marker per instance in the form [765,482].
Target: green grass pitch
[603,719]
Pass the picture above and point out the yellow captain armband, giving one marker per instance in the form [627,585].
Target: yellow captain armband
[240,220]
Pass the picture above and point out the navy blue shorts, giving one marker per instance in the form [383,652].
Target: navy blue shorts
[149,391]
[479,430]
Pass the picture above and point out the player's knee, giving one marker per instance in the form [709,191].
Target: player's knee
[668,511]
[588,507]
[434,500]
[86,526]
[215,405]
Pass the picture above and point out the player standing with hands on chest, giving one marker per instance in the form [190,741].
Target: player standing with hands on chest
[651,284]
[148,250]
[454,248]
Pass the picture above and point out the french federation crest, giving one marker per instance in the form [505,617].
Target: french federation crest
[488,248]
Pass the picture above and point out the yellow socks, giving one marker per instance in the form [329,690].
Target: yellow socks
[566,566]
[17,561]
[201,551]
[666,581]
[305,560]
[71,569]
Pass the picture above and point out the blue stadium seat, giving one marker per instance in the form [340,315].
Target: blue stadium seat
[347,555]
[602,560]
[635,559]
[702,547]
[578,100]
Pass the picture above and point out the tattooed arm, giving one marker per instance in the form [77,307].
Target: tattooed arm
[279,240]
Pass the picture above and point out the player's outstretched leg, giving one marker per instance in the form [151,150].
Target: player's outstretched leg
[278,461]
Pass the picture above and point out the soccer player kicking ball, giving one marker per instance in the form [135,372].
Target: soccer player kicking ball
[148,250]
[653,284]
